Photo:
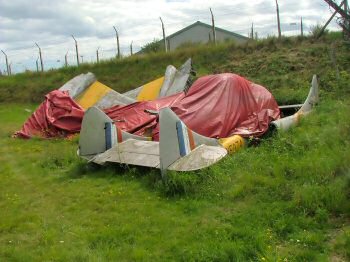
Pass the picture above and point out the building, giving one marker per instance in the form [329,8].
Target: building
[202,33]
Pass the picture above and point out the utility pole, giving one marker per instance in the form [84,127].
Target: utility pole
[76,50]
[278,20]
[164,38]
[131,48]
[66,59]
[301,27]
[97,57]
[37,64]
[213,25]
[117,36]
[252,32]
[7,63]
[41,58]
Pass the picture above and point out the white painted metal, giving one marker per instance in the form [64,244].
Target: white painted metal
[92,138]
[311,100]
[113,98]
[132,152]
[201,157]
[176,80]
[78,84]
[169,146]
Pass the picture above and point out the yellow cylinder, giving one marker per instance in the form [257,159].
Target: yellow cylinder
[232,144]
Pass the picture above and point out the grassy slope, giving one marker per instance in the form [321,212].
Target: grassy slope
[286,199]
[278,66]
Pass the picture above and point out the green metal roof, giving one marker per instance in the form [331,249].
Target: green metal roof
[208,26]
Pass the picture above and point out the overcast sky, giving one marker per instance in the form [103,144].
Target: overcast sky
[50,23]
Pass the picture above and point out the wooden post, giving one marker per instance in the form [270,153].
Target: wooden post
[66,59]
[76,50]
[213,25]
[131,48]
[41,58]
[346,20]
[334,61]
[97,57]
[164,38]
[7,63]
[301,27]
[278,20]
[117,36]
[252,32]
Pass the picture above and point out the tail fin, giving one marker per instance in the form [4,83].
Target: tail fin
[99,133]
[311,100]
[176,140]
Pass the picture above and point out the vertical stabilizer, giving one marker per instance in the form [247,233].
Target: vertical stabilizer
[176,140]
[99,133]
[92,139]
[311,100]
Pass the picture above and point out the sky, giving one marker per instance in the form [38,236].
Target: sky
[51,23]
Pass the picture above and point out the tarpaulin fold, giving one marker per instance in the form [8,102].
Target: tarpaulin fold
[58,116]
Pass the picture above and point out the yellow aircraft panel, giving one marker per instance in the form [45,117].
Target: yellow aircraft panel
[92,95]
[150,91]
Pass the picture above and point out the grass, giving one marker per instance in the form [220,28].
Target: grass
[278,65]
[287,199]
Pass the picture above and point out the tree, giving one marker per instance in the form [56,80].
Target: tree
[152,47]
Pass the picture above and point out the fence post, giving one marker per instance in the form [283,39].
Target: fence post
[41,58]
[76,50]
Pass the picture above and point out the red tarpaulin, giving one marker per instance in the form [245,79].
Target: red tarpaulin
[215,106]
[58,116]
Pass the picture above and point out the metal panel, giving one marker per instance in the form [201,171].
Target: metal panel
[92,138]
[132,152]
[311,100]
[113,98]
[201,157]
[78,84]
[92,95]
[150,91]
